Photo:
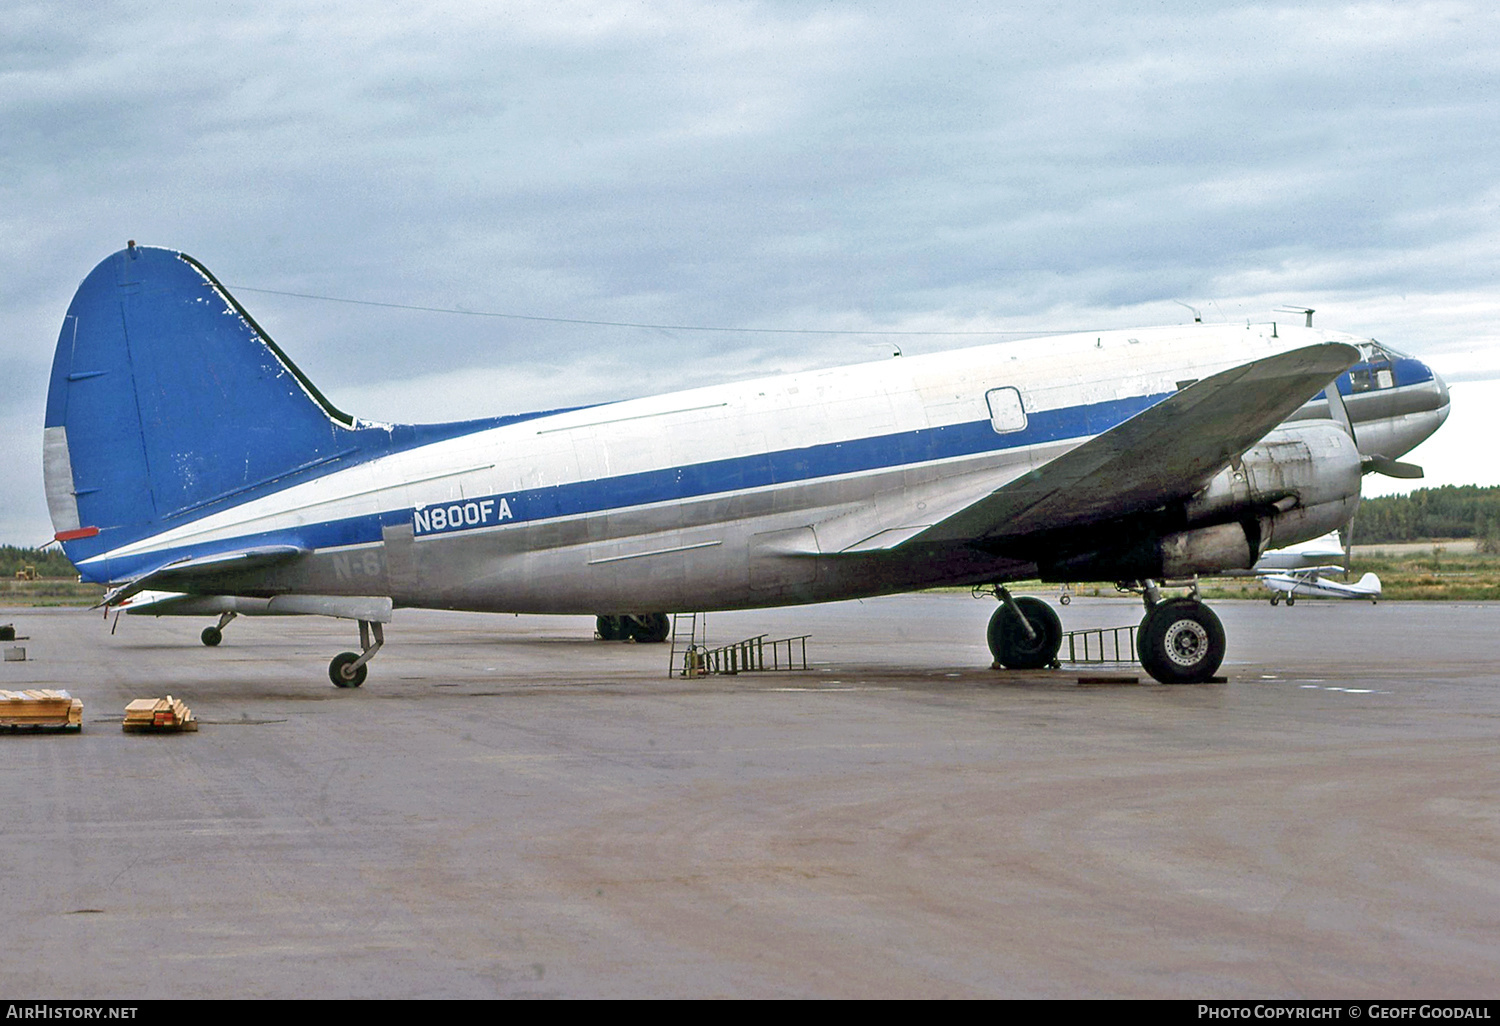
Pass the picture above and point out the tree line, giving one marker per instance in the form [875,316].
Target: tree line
[1452,511]
[49,562]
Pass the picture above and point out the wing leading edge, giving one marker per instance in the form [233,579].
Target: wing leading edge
[1162,454]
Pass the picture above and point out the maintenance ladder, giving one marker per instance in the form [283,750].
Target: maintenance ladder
[1099,645]
[747,656]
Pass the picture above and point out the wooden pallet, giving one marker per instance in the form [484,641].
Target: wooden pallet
[158,715]
[40,709]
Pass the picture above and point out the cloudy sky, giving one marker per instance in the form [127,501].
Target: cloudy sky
[936,167]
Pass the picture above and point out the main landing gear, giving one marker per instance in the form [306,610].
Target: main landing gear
[1179,641]
[642,628]
[1024,633]
[348,669]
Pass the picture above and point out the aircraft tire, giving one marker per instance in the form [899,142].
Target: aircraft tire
[610,628]
[1291,600]
[211,636]
[1180,641]
[338,671]
[1275,599]
[648,628]
[1012,648]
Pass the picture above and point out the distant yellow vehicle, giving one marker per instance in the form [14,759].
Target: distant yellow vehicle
[26,574]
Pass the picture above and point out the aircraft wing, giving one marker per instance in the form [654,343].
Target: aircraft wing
[1162,454]
[183,574]
[1304,572]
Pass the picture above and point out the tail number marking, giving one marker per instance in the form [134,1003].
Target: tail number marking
[456,516]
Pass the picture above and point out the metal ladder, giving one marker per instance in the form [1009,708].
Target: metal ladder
[1099,645]
[693,649]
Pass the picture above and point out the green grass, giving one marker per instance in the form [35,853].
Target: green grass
[49,592]
[1433,574]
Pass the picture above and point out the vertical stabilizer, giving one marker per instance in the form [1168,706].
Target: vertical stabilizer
[167,400]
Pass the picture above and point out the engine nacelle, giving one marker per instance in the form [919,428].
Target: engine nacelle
[1297,484]
[1299,466]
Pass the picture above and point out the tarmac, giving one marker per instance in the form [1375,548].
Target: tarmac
[509,808]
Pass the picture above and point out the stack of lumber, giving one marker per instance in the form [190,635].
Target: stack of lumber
[40,709]
[158,715]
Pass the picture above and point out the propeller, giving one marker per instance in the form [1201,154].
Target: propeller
[1374,463]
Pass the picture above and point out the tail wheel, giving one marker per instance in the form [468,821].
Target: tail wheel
[340,673]
[1011,646]
[1181,642]
[211,636]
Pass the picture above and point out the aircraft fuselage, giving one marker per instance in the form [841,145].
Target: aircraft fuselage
[777,490]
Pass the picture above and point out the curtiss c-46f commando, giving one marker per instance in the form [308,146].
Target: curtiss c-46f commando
[194,469]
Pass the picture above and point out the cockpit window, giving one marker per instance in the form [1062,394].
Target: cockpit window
[1372,351]
[1375,370]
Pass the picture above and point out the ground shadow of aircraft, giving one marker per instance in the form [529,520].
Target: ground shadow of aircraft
[191,466]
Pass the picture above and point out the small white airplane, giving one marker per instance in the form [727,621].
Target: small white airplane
[194,469]
[1319,553]
[1309,583]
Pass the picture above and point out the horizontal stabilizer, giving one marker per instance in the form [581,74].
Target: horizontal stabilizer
[184,574]
[1160,455]
[371,608]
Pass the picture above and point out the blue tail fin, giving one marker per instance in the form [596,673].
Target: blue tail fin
[166,400]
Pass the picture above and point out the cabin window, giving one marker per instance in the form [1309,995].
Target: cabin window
[1007,414]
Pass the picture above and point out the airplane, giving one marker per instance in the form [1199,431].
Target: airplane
[194,469]
[1308,582]
[1315,554]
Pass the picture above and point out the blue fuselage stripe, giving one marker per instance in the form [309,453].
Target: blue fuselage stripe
[735,474]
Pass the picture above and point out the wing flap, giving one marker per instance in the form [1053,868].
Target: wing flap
[1162,454]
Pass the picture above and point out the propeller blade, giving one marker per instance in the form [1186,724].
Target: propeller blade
[1378,464]
[1338,411]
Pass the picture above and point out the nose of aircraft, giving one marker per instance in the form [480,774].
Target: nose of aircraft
[1417,417]
[1437,406]
[1441,388]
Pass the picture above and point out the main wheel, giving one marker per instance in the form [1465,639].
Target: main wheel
[1008,641]
[610,628]
[1180,642]
[648,628]
[211,636]
[340,673]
